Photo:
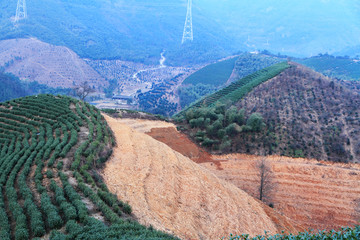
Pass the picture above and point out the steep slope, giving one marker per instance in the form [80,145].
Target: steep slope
[217,75]
[127,30]
[33,60]
[297,113]
[248,63]
[174,194]
[236,90]
[317,195]
[307,115]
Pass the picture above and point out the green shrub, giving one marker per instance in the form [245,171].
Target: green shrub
[255,122]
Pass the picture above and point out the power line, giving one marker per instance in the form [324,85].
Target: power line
[188,29]
[21,10]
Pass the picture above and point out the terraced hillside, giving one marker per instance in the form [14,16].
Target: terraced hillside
[216,76]
[238,89]
[50,148]
[248,63]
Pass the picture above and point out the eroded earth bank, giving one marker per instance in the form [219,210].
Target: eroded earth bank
[316,194]
[173,193]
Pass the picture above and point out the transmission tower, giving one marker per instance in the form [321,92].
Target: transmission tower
[188,29]
[20,10]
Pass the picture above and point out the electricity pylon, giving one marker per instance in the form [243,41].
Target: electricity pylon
[188,29]
[20,10]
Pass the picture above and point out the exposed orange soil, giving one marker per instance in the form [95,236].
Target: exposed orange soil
[176,195]
[317,195]
[182,144]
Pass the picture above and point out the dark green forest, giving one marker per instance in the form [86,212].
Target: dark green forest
[11,87]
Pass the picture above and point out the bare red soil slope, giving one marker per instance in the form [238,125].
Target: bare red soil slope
[317,195]
[47,64]
[172,193]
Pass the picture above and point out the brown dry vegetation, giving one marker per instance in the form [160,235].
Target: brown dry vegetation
[172,193]
[317,195]
[47,64]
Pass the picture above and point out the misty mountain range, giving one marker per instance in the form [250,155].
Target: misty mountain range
[140,30]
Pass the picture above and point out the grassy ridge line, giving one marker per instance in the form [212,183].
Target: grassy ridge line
[238,93]
[240,88]
[214,74]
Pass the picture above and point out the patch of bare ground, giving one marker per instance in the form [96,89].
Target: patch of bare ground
[174,194]
[316,194]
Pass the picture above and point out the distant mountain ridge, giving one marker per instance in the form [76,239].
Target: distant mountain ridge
[140,30]
[54,66]
[344,68]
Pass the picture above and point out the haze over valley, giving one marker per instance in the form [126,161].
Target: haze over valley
[190,119]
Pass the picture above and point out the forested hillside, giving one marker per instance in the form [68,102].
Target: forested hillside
[307,115]
[214,121]
[127,30]
[299,113]
[140,30]
[11,87]
[51,149]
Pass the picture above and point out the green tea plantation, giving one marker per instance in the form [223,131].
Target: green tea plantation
[51,148]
